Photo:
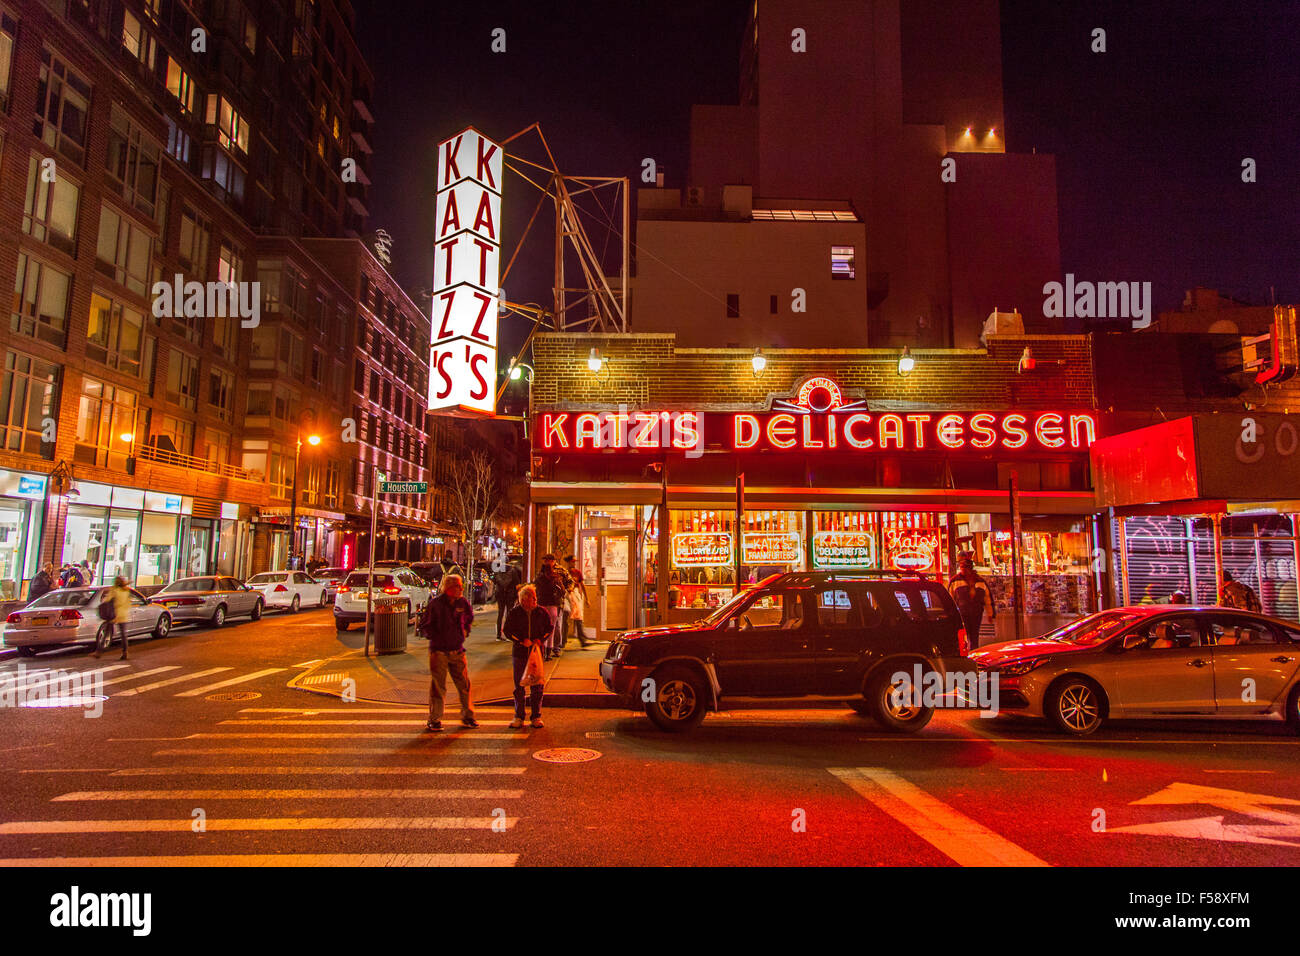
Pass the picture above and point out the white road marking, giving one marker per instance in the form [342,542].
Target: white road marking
[448,733]
[395,709]
[340,769]
[148,673]
[954,834]
[77,675]
[97,795]
[171,680]
[226,683]
[173,824]
[253,722]
[276,860]
[304,751]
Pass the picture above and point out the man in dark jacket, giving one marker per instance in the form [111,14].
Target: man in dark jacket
[550,596]
[445,623]
[506,585]
[526,625]
[43,583]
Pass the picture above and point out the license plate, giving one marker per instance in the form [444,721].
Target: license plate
[39,621]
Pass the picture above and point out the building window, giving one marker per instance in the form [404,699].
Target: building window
[224,332]
[132,160]
[232,131]
[62,102]
[104,415]
[124,251]
[259,401]
[230,265]
[50,213]
[115,335]
[219,168]
[194,244]
[221,392]
[183,380]
[137,40]
[733,305]
[842,262]
[180,85]
[180,432]
[178,142]
[28,398]
[40,301]
[216,446]
[8,28]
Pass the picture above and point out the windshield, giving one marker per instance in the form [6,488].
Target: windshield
[1093,629]
[190,584]
[361,580]
[66,598]
[723,610]
[266,579]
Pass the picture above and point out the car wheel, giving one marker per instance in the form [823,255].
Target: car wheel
[888,701]
[324,599]
[164,625]
[1293,709]
[219,616]
[26,652]
[256,613]
[104,636]
[1075,706]
[340,625]
[295,604]
[680,698]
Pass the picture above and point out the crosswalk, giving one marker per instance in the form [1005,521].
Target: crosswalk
[372,791]
[20,680]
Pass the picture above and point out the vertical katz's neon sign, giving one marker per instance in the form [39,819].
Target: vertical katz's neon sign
[466,274]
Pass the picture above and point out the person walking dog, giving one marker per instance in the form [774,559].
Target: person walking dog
[527,626]
[445,623]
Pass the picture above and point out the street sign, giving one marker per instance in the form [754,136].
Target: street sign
[403,487]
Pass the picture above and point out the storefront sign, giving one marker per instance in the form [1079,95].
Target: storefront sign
[153,501]
[771,547]
[30,486]
[701,548]
[807,431]
[466,274]
[912,550]
[844,549]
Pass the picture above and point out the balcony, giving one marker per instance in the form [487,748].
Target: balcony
[175,459]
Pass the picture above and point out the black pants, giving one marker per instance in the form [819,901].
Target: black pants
[971,620]
[503,608]
[519,661]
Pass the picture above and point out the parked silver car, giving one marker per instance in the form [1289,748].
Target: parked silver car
[209,600]
[71,616]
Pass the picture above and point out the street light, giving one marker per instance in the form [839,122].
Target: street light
[905,361]
[759,361]
[312,440]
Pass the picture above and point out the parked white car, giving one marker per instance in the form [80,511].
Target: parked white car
[350,601]
[289,590]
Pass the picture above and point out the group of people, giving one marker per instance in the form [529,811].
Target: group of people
[47,578]
[538,615]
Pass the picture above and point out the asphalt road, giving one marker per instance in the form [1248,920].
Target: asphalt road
[169,776]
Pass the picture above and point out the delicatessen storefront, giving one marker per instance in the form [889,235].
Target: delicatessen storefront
[668,510]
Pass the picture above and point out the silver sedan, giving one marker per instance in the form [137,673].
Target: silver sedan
[71,616]
[210,599]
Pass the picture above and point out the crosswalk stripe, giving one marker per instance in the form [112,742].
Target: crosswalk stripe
[77,675]
[276,860]
[359,710]
[448,734]
[340,770]
[148,673]
[171,680]
[346,723]
[99,795]
[172,825]
[349,751]
[226,683]
[954,834]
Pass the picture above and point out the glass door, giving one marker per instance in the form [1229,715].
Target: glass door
[606,558]
[13,529]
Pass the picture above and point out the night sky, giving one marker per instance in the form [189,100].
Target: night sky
[1149,137]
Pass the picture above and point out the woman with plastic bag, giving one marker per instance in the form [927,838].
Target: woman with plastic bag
[529,627]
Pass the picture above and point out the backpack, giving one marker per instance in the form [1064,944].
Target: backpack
[107,609]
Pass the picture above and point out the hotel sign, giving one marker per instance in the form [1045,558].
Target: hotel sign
[466,274]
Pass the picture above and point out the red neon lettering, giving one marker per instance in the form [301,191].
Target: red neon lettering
[745,430]
[482,314]
[483,249]
[484,215]
[450,171]
[980,425]
[619,420]
[646,436]
[553,430]
[484,173]
[481,392]
[1016,435]
[686,432]
[442,373]
[1089,425]
[808,440]
[831,425]
[848,431]
[784,425]
[1048,430]
[586,426]
[949,431]
[918,435]
[890,426]
[451,215]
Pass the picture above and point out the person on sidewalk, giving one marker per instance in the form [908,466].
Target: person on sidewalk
[445,623]
[43,583]
[550,595]
[1238,594]
[506,585]
[527,626]
[121,598]
[973,597]
[577,603]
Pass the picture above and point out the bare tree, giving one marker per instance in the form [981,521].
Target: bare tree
[475,499]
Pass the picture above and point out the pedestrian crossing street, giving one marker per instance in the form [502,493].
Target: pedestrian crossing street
[372,791]
[42,681]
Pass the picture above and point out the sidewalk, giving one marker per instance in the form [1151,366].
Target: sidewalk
[571,681]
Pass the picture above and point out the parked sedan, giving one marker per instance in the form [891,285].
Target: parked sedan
[289,590]
[71,616]
[1152,661]
[209,600]
[330,579]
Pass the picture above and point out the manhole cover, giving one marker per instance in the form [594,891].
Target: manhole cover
[235,695]
[566,755]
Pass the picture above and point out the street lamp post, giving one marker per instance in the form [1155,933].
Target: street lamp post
[312,440]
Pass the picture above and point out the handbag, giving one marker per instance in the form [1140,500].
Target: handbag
[533,672]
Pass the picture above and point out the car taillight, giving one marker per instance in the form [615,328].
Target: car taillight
[70,614]
[13,618]
[345,589]
[963,642]
[281,587]
[392,590]
[190,601]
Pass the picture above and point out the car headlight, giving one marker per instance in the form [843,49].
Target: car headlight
[618,651]
[1016,668]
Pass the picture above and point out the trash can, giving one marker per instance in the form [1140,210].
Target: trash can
[390,620]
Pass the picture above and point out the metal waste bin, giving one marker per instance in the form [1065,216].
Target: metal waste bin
[390,620]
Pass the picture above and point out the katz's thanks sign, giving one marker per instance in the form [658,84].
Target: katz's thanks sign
[466,274]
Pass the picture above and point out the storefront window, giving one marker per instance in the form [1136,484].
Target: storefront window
[702,549]
[83,538]
[13,528]
[120,555]
[157,550]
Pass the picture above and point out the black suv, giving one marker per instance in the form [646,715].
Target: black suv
[799,634]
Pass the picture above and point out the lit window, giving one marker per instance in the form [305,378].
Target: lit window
[8,27]
[180,85]
[137,40]
[842,262]
[50,213]
[232,131]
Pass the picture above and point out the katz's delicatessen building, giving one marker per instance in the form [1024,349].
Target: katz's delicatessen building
[663,470]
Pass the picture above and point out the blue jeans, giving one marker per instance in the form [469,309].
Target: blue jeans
[518,662]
